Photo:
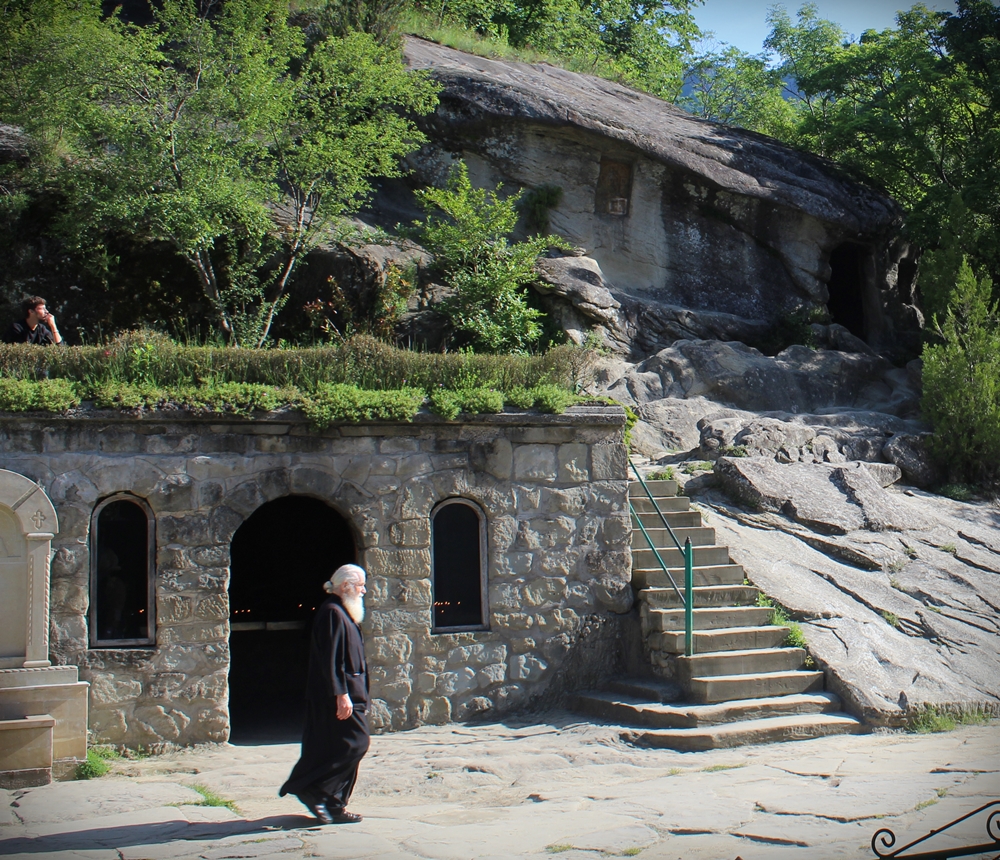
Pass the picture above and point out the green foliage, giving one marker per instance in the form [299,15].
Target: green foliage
[699,466]
[914,109]
[553,399]
[535,205]
[488,273]
[734,451]
[665,474]
[449,404]
[95,765]
[890,618]
[961,384]
[211,798]
[45,395]
[341,402]
[958,492]
[187,132]
[929,719]
[640,44]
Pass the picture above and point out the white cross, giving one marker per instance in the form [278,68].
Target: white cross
[38,518]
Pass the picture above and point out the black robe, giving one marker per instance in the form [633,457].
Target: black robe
[332,749]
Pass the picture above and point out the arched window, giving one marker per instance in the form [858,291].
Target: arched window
[122,573]
[458,578]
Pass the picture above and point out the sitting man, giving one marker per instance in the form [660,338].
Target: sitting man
[39,326]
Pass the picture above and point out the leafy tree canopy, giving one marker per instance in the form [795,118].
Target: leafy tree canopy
[196,129]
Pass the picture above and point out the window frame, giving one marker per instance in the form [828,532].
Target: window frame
[94,540]
[484,608]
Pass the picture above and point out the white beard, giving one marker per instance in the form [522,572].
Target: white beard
[355,607]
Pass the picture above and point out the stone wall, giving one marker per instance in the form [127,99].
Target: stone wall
[553,489]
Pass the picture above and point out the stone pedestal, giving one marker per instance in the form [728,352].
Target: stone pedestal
[43,708]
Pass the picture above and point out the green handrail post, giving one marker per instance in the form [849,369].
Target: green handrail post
[688,598]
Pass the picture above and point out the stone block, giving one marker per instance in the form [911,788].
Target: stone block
[72,597]
[398,445]
[400,563]
[513,620]
[73,487]
[173,493]
[544,591]
[65,703]
[456,682]
[314,482]
[475,705]
[411,533]
[69,561]
[26,751]
[213,607]
[416,501]
[571,501]
[187,530]
[609,463]
[158,724]
[274,483]
[477,655]
[512,564]
[413,466]
[435,710]
[574,466]
[535,463]
[386,622]
[503,532]
[495,457]
[108,689]
[245,497]
[224,522]
[543,532]
[210,494]
[190,634]
[173,608]
[527,667]
[389,650]
[494,673]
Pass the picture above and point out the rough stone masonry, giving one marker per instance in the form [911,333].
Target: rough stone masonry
[553,489]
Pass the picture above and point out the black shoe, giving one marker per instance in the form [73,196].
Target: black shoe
[342,816]
[316,807]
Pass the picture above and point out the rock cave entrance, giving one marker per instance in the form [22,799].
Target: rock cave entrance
[847,288]
[280,558]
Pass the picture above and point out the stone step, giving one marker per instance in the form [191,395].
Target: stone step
[664,597]
[631,710]
[644,689]
[657,488]
[724,639]
[699,536]
[668,504]
[703,556]
[707,574]
[709,619]
[723,688]
[767,730]
[675,519]
[746,662]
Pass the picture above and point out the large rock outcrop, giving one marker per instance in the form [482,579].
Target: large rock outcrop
[677,213]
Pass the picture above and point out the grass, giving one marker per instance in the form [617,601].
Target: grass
[97,762]
[796,637]
[700,466]
[925,803]
[949,547]
[361,379]
[715,768]
[930,719]
[631,852]
[210,798]
[734,451]
[558,848]
[665,474]
[890,618]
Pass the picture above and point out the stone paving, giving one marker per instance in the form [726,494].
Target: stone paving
[555,786]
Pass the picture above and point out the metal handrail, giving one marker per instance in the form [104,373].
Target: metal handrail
[687,551]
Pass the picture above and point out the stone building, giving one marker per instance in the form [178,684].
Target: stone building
[190,553]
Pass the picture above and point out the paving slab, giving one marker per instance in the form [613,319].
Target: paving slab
[519,789]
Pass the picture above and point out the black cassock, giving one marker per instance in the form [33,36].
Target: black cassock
[332,749]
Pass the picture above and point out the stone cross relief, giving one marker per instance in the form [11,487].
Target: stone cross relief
[38,518]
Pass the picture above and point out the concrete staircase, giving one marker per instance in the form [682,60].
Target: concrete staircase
[742,685]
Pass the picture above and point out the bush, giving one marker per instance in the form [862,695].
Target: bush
[341,402]
[488,273]
[961,380]
[96,764]
[45,395]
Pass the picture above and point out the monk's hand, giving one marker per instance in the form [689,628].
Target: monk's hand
[344,707]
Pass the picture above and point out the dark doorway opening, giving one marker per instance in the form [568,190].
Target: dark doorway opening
[280,558]
[847,280]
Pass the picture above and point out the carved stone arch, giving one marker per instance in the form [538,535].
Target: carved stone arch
[28,522]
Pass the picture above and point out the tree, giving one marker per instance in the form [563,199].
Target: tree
[915,110]
[474,257]
[728,85]
[192,131]
[961,381]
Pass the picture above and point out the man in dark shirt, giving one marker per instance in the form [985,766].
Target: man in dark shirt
[39,326]
[335,738]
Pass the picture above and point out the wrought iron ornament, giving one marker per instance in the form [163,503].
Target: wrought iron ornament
[884,839]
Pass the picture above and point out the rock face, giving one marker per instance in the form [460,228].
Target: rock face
[679,215]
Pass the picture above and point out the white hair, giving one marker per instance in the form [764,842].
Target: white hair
[343,574]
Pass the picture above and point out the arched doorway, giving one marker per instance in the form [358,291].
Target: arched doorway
[847,288]
[280,558]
